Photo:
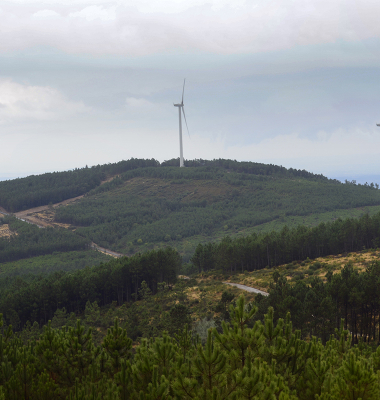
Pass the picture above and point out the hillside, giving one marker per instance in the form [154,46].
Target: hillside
[248,358]
[84,325]
[129,279]
[143,204]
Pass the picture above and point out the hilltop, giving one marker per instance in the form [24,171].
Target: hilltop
[139,205]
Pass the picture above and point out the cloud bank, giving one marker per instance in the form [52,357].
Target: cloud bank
[151,26]
[20,102]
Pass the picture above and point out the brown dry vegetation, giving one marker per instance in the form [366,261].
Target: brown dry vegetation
[44,215]
[197,190]
[207,293]
[262,278]
[208,288]
[5,231]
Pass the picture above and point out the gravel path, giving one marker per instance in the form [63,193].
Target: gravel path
[106,251]
[247,288]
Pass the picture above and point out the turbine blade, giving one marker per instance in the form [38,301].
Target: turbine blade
[185,121]
[183,90]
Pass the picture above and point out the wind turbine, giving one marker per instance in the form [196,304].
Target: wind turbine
[180,107]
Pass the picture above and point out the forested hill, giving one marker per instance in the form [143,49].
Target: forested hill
[142,204]
[37,190]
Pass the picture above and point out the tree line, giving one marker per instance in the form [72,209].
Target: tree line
[258,251]
[37,190]
[318,307]
[37,299]
[247,167]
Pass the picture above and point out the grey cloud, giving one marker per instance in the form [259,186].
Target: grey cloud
[218,27]
[28,102]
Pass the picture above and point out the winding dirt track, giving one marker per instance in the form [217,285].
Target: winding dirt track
[33,219]
[27,215]
[247,288]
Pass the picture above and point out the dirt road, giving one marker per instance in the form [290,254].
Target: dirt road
[26,214]
[108,252]
[31,216]
[34,219]
[247,288]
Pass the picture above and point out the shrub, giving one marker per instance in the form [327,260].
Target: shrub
[298,276]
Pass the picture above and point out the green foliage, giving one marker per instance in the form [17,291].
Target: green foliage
[258,251]
[32,241]
[179,316]
[147,206]
[222,306]
[77,291]
[253,360]
[318,308]
[37,190]
[117,345]
[49,263]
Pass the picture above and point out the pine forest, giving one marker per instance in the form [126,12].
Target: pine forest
[118,281]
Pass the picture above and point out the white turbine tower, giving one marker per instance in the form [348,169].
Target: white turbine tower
[180,107]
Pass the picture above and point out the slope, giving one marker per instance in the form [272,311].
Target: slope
[143,204]
[152,207]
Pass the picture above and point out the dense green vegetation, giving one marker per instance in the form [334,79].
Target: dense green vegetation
[37,299]
[58,261]
[148,205]
[33,241]
[251,351]
[120,279]
[37,190]
[167,204]
[253,354]
[246,360]
[317,307]
[271,249]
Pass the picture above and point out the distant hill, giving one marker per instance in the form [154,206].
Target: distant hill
[143,204]
[38,190]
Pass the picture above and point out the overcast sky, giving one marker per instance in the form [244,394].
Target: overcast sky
[288,82]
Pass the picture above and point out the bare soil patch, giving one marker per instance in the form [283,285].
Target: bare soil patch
[44,215]
[5,231]
[25,213]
